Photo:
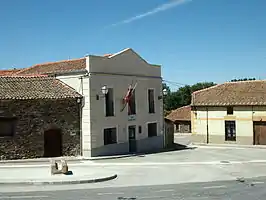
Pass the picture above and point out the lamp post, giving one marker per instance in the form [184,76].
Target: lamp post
[164,132]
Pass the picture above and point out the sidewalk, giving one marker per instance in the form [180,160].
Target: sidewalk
[229,146]
[39,175]
[68,159]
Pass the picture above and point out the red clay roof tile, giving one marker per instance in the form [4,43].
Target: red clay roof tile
[180,114]
[55,67]
[232,93]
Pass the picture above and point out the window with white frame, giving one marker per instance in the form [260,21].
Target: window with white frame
[230,131]
[131,109]
[109,103]
[152,129]
[110,136]
[151,101]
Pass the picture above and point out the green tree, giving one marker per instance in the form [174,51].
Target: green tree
[187,90]
[243,79]
[172,101]
[182,96]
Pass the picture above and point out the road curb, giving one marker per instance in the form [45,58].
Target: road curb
[231,146]
[67,182]
[68,159]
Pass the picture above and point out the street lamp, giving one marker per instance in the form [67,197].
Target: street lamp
[164,92]
[164,131]
[104,90]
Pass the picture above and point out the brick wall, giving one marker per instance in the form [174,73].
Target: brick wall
[33,118]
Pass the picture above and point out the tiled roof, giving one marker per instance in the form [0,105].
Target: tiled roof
[8,72]
[34,88]
[55,67]
[232,93]
[180,114]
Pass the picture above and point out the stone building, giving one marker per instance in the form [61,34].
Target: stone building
[39,117]
[182,119]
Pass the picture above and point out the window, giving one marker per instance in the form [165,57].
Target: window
[230,110]
[109,103]
[230,131]
[110,136]
[7,126]
[151,101]
[132,104]
[152,129]
[140,129]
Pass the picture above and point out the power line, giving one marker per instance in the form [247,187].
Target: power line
[254,91]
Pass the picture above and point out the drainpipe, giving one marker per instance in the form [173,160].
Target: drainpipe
[252,109]
[80,117]
[207,125]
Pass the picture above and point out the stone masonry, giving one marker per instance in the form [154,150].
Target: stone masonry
[33,118]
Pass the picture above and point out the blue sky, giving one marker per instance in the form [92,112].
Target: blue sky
[199,40]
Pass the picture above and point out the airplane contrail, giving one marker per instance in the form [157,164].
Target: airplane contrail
[160,8]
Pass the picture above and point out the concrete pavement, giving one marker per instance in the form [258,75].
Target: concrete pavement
[188,166]
[201,164]
[249,189]
[41,175]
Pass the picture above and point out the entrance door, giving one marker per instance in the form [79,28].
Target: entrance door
[132,139]
[259,133]
[52,143]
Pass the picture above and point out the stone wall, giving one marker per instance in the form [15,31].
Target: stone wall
[33,117]
[183,127]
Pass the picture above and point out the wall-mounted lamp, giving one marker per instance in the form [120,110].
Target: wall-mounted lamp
[164,94]
[164,91]
[104,91]
[196,114]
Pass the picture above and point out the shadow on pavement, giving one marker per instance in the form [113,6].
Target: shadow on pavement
[175,147]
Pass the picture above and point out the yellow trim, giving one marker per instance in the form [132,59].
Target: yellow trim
[224,118]
[259,118]
[230,117]
[192,123]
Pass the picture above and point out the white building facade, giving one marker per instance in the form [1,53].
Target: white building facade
[106,129]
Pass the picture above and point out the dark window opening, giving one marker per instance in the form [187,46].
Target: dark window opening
[132,104]
[110,136]
[7,126]
[230,131]
[230,110]
[109,103]
[151,101]
[140,129]
[152,129]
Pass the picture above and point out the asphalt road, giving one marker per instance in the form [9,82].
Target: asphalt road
[234,190]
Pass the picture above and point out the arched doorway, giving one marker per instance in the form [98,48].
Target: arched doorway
[52,143]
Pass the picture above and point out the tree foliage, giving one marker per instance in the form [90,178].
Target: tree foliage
[243,79]
[182,96]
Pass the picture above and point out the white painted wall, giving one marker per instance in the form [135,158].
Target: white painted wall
[120,85]
[81,84]
[217,115]
[117,72]
[127,62]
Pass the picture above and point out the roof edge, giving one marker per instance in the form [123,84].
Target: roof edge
[47,63]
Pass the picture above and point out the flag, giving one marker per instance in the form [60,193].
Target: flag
[127,98]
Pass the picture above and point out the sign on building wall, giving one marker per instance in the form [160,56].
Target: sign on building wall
[131,117]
